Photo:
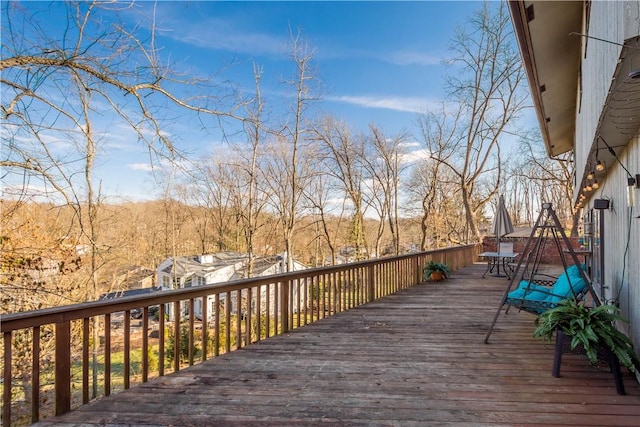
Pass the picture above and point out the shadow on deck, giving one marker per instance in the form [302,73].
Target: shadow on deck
[415,358]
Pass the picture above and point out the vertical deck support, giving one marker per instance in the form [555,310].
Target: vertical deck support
[63,368]
[6,393]
[284,306]
[371,283]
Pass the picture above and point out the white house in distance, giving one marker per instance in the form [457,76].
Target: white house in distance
[198,270]
[582,60]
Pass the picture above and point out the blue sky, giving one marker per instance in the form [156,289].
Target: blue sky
[378,62]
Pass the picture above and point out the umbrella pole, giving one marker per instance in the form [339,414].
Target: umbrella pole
[498,260]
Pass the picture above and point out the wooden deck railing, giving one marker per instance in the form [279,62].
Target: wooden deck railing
[60,358]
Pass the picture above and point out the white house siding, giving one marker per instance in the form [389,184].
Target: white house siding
[622,228]
[630,15]
[614,21]
[631,158]
[272,290]
[598,67]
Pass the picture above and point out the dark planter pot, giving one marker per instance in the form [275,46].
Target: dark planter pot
[563,345]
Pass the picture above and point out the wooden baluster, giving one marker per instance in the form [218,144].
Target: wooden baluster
[63,367]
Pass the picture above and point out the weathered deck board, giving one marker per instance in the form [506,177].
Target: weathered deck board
[416,358]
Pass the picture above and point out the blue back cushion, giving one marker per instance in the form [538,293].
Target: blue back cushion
[571,280]
[574,271]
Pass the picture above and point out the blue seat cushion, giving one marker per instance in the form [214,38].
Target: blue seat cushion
[529,291]
[569,284]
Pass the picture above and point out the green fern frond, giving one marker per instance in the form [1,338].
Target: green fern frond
[589,327]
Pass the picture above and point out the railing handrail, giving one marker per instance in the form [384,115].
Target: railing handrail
[32,318]
[231,314]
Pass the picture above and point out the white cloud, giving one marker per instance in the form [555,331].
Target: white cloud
[145,167]
[405,57]
[161,164]
[415,155]
[218,34]
[396,103]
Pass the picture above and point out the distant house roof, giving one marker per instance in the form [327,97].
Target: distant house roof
[127,277]
[260,265]
[128,293]
[520,232]
[188,265]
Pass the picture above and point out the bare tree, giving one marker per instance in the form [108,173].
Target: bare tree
[321,197]
[441,133]
[535,179]
[485,86]
[250,198]
[423,192]
[287,171]
[341,155]
[384,167]
[58,86]
[218,185]
[58,82]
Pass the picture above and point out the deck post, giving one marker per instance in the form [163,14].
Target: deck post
[284,306]
[63,368]
[371,283]
[6,407]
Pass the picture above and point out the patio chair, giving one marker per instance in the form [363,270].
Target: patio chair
[505,247]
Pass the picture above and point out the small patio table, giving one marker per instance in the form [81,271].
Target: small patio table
[494,259]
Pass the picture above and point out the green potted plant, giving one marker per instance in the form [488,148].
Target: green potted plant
[589,328]
[435,271]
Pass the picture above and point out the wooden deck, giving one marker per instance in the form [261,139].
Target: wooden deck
[416,358]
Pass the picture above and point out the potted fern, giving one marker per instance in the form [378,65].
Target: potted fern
[435,271]
[590,329]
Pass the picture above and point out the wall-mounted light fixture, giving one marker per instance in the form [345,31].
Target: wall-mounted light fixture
[601,204]
[631,180]
[631,184]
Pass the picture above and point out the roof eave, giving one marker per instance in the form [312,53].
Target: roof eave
[561,66]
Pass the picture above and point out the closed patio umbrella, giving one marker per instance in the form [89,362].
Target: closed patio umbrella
[501,221]
[501,226]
